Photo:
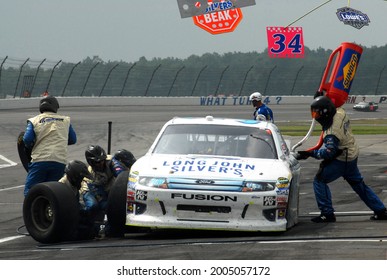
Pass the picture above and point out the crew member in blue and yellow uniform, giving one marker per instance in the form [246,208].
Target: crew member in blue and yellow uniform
[339,156]
[76,174]
[47,136]
[261,112]
[103,169]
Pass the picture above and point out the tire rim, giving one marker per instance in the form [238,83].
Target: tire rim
[42,213]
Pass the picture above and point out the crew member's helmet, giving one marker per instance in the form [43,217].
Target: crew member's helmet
[126,157]
[48,104]
[76,170]
[323,110]
[255,96]
[96,156]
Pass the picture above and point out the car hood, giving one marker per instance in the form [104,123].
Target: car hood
[210,167]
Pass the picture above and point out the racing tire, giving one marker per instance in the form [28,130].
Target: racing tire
[51,212]
[116,205]
[292,209]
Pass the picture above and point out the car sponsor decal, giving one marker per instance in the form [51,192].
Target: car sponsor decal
[217,166]
[281,213]
[141,195]
[204,182]
[269,200]
[282,183]
[282,204]
[214,197]
[130,195]
[282,201]
[132,181]
[130,208]
[282,191]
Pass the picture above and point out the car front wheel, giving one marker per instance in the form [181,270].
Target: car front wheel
[116,207]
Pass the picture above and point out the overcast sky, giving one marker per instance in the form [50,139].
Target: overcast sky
[115,30]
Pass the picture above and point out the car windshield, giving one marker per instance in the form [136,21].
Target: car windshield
[218,140]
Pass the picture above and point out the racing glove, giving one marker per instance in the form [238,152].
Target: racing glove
[302,155]
[20,139]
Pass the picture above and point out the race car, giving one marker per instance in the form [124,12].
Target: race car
[200,173]
[366,106]
[211,174]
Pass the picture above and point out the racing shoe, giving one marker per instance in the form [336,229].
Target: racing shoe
[379,216]
[324,218]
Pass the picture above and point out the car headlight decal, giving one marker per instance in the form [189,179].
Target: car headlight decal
[153,182]
[250,186]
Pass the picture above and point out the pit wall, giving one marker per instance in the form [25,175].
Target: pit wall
[24,103]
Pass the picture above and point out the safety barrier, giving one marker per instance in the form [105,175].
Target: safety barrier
[24,103]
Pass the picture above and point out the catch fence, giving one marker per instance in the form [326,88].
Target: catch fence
[31,78]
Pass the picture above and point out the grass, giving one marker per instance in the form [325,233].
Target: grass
[359,127]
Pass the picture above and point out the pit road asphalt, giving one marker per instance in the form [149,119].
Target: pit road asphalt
[353,236]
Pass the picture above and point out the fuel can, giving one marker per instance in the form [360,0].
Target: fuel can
[346,60]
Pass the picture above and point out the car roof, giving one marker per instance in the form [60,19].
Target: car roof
[220,121]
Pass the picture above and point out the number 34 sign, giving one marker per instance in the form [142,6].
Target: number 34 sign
[285,42]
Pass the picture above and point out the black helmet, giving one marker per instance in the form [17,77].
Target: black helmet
[125,157]
[323,110]
[76,170]
[94,155]
[48,104]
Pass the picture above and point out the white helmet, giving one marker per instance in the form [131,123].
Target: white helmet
[255,96]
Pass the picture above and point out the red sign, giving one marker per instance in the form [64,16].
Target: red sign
[285,42]
[219,22]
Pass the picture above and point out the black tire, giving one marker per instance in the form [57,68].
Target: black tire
[292,209]
[51,212]
[116,206]
[24,153]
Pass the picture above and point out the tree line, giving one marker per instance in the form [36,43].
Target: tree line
[232,73]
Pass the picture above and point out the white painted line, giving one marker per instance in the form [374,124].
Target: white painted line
[309,166]
[6,239]
[346,213]
[10,162]
[12,188]
[323,240]
[11,203]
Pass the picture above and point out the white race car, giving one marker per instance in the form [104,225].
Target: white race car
[366,106]
[211,174]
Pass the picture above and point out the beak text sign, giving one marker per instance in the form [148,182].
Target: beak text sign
[219,22]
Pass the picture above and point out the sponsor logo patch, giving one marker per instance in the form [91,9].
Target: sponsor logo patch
[352,17]
[141,195]
[269,200]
